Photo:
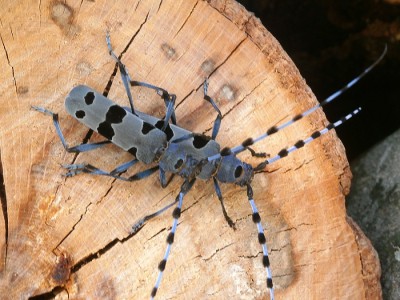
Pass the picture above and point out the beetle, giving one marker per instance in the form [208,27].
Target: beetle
[176,150]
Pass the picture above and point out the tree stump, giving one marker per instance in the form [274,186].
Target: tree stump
[70,237]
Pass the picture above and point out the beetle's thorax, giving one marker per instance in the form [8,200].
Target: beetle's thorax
[233,170]
[227,169]
[174,159]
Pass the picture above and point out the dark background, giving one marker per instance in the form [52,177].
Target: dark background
[331,42]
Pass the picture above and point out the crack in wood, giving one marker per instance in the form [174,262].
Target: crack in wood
[159,6]
[112,76]
[72,229]
[186,19]
[217,251]
[49,295]
[96,255]
[9,63]
[211,73]
[3,199]
[137,5]
[40,13]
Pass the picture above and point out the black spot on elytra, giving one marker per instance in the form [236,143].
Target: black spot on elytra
[199,141]
[106,130]
[115,114]
[89,98]
[168,131]
[147,127]
[80,114]
[133,151]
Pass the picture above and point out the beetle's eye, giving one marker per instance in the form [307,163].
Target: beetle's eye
[238,171]
[178,163]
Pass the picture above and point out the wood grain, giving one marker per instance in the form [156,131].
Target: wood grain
[71,236]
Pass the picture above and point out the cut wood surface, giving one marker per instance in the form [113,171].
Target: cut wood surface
[71,236]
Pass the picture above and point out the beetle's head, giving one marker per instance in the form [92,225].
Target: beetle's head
[233,170]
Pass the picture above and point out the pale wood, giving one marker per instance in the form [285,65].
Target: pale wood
[54,223]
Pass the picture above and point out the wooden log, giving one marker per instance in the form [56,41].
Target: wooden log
[70,237]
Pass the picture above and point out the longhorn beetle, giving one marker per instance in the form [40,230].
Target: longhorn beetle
[175,149]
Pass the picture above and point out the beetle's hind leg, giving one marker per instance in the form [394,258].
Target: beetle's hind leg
[76,169]
[74,149]
[168,98]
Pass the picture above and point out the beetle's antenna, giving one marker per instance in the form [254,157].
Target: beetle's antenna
[274,129]
[299,144]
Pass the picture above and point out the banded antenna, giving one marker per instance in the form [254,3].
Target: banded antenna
[301,143]
[274,129]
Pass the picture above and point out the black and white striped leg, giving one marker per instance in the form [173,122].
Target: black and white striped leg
[221,200]
[301,143]
[170,239]
[139,224]
[74,149]
[76,169]
[217,122]
[262,240]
